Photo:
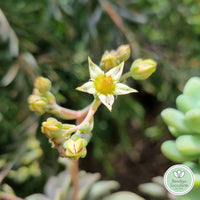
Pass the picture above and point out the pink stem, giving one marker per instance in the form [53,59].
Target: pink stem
[93,108]
[68,114]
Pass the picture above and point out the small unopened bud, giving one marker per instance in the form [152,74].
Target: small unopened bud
[88,127]
[75,147]
[42,84]
[109,60]
[50,97]
[123,52]
[37,104]
[142,69]
[52,128]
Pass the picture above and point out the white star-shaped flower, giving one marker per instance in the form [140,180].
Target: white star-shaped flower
[105,85]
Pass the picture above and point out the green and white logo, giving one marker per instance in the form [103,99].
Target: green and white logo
[179,179]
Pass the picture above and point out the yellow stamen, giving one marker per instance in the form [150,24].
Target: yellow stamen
[104,84]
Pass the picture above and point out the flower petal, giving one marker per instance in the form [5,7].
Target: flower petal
[123,89]
[87,87]
[94,69]
[116,72]
[107,100]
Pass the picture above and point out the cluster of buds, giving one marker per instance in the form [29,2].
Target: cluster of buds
[41,98]
[56,131]
[60,137]
[113,58]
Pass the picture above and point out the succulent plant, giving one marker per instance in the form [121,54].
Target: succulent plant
[155,189]
[90,188]
[184,124]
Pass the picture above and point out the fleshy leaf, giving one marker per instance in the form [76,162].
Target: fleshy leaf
[123,195]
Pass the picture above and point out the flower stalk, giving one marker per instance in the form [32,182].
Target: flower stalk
[68,114]
[74,174]
[106,82]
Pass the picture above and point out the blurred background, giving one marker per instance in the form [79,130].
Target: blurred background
[53,38]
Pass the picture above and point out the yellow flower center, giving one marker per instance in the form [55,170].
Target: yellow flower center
[104,84]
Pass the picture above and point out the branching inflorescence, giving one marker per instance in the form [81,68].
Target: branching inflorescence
[106,82]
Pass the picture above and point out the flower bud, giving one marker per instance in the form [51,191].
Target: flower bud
[142,69]
[50,97]
[37,104]
[109,60]
[42,84]
[36,92]
[88,127]
[123,52]
[52,128]
[75,147]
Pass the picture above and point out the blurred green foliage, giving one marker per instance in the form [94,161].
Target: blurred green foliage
[54,37]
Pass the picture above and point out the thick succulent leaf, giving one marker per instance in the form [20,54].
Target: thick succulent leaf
[7,33]
[192,88]
[188,145]
[86,183]
[60,194]
[55,183]
[192,119]
[37,197]
[101,188]
[185,103]
[170,150]
[10,75]
[86,180]
[175,118]
[124,195]
[153,190]
[158,180]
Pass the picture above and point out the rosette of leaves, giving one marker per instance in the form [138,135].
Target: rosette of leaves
[184,124]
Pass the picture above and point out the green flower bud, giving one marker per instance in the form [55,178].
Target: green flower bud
[50,97]
[123,52]
[42,84]
[52,128]
[75,147]
[37,104]
[88,127]
[142,69]
[109,60]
